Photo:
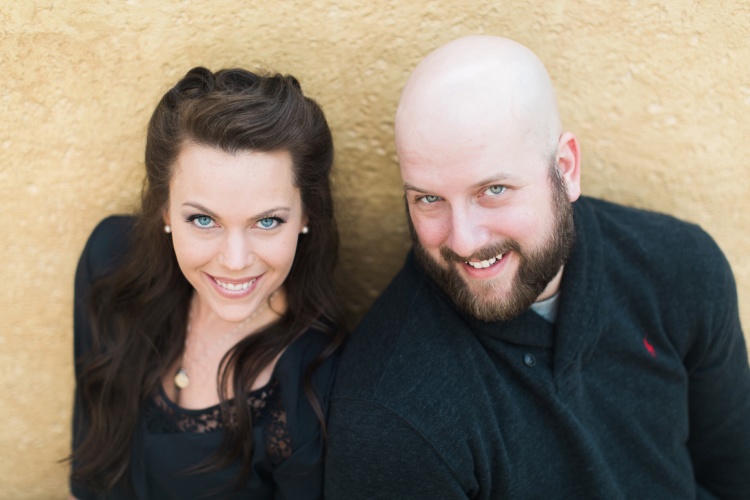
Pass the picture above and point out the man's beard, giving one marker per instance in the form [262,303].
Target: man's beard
[536,267]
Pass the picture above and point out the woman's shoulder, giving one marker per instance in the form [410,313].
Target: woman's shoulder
[292,371]
[299,475]
[107,245]
[103,253]
[304,351]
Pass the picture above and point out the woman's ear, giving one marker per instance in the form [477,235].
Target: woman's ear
[167,221]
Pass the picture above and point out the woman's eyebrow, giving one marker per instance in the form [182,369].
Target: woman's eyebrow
[212,214]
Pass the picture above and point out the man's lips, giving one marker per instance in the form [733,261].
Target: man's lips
[486,269]
[484,264]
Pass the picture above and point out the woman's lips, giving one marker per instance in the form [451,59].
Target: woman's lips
[234,288]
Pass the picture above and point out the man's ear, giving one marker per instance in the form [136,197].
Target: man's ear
[569,163]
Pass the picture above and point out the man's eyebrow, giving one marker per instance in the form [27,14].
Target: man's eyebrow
[495,179]
[409,187]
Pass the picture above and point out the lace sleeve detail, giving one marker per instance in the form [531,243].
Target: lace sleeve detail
[278,441]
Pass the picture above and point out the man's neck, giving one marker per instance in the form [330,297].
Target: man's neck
[552,287]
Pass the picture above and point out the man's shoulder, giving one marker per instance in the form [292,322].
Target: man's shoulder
[652,233]
[407,336]
[661,259]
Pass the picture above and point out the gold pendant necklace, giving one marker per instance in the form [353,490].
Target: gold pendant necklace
[181,378]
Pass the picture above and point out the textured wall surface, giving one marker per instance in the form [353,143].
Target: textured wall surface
[658,92]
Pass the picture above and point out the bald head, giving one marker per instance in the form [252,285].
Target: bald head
[475,89]
[489,205]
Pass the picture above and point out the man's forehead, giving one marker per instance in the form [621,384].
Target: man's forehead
[448,107]
[488,139]
[468,160]
[460,121]
[473,91]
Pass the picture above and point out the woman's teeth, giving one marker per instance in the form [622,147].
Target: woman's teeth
[235,287]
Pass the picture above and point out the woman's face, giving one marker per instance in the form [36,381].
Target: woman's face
[235,222]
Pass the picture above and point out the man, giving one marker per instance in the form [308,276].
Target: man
[532,347]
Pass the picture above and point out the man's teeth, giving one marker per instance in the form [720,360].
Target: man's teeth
[485,263]
[235,287]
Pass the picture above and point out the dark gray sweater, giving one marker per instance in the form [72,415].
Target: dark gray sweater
[640,390]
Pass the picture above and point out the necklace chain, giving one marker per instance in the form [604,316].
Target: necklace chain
[181,378]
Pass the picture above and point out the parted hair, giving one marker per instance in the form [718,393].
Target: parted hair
[139,313]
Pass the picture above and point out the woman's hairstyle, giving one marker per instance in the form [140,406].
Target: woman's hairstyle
[139,313]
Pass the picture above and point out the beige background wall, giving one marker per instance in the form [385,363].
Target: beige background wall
[658,91]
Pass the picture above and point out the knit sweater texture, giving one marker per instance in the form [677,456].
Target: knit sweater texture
[641,389]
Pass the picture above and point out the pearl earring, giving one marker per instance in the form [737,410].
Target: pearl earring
[305,229]
[167,228]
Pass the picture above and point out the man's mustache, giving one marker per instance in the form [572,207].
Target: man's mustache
[482,254]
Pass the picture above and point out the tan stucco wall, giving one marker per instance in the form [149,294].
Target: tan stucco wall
[658,92]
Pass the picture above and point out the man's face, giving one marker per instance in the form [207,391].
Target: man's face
[492,224]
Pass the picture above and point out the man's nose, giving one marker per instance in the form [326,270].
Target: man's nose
[468,233]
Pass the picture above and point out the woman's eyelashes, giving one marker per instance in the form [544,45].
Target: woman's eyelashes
[270,222]
[203,221]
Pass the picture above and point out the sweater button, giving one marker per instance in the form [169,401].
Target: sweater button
[529,360]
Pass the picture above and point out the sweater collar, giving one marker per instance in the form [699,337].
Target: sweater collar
[579,321]
[578,324]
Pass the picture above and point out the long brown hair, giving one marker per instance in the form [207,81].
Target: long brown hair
[139,313]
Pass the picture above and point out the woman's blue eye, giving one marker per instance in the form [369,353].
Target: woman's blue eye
[204,221]
[201,221]
[429,198]
[495,189]
[268,223]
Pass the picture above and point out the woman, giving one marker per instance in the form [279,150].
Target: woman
[206,326]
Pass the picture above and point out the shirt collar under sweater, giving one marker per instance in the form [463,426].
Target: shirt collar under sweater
[580,315]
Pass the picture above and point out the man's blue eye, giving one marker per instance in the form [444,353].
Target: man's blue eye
[268,223]
[495,189]
[429,198]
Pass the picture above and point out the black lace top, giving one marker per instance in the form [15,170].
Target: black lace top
[287,457]
[162,416]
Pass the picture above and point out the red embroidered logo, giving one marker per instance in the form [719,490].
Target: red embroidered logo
[649,347]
